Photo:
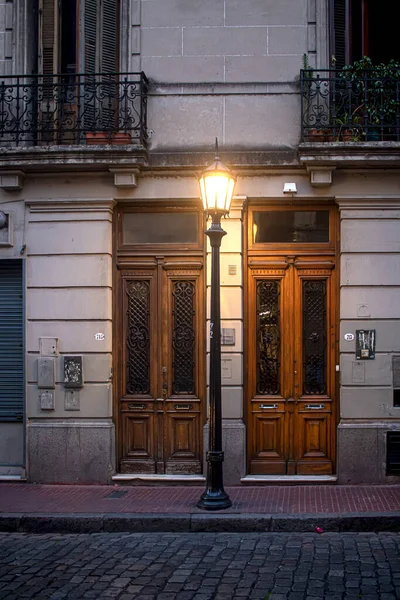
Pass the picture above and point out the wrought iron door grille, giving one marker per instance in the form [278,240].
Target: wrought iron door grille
[314,337]
[268,337]
[138,338]
[183,338]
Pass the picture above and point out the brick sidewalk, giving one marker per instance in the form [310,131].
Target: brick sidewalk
[274,500]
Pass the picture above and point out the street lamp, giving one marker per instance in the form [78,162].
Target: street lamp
[216,187]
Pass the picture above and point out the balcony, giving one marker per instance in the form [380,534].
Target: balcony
[73,110]
[348,105]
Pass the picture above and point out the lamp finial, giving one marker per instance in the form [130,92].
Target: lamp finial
[216,149]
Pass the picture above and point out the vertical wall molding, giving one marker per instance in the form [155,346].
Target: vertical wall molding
[322,34]
[130,21]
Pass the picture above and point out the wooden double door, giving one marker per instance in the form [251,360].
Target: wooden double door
[160,332]
[291,364]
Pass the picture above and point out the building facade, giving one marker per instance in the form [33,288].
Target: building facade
[108,112]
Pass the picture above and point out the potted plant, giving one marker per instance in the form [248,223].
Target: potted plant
[372,89]
[350,127]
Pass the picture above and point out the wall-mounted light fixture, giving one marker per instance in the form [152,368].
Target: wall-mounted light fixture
[289,188]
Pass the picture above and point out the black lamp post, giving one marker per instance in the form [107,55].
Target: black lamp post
[216,186]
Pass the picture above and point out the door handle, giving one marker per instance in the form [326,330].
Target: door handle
[267,406]
[183,406]
[314,406]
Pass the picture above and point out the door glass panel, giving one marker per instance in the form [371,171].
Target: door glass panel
[183,338]
[268,337]
[290,226]
[314,337]
[160,228]
[138,337]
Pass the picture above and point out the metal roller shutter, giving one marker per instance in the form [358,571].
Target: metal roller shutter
[11,341]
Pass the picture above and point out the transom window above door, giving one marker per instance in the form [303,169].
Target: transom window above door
[161,227]
[283,226]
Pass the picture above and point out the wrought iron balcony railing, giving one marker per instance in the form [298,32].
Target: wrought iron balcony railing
[102,108]
[343,106]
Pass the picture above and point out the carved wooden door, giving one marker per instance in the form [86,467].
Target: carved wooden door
[291,365]
[161,351]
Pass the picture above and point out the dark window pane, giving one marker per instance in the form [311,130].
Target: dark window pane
[268,337]
[138,338]
[285,226]
[393,453]
[314,337]
[183,337]
[160,228]
[396,397]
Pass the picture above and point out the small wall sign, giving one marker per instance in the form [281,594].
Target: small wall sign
[349,337]
[73,371]
[365,344]
[99,337]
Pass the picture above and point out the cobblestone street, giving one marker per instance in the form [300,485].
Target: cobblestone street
[201,566]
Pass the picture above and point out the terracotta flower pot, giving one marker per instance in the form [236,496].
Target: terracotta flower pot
[121,138]
[315,135]
[95,138]
[347,135]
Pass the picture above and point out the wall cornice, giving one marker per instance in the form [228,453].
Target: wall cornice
[369,202]
[62,205]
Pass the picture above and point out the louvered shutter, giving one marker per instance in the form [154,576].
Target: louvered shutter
[339,42]
[108,37]
[108,59]
[101,20]
[91,21]
[49,23]
[89,100]
[11,341]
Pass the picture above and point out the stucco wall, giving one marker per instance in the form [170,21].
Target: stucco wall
[226,68]
[369,299]
[63,229]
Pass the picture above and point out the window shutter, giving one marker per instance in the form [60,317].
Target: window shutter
[108,37]
[339,41]
[101,26]
[11,341]
[101,20]
[91,36]
[48,37]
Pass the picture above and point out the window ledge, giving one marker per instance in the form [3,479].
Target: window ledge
[350,154]
[72,157]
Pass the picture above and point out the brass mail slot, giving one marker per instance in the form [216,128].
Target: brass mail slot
[267,406]
[183,406]
[137,406]
[314,407]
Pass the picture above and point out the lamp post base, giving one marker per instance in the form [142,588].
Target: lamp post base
[214,501]
[215,497]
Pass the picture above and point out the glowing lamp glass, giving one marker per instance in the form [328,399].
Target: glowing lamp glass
[216,191]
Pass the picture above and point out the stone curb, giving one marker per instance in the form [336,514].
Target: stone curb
[193,522]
